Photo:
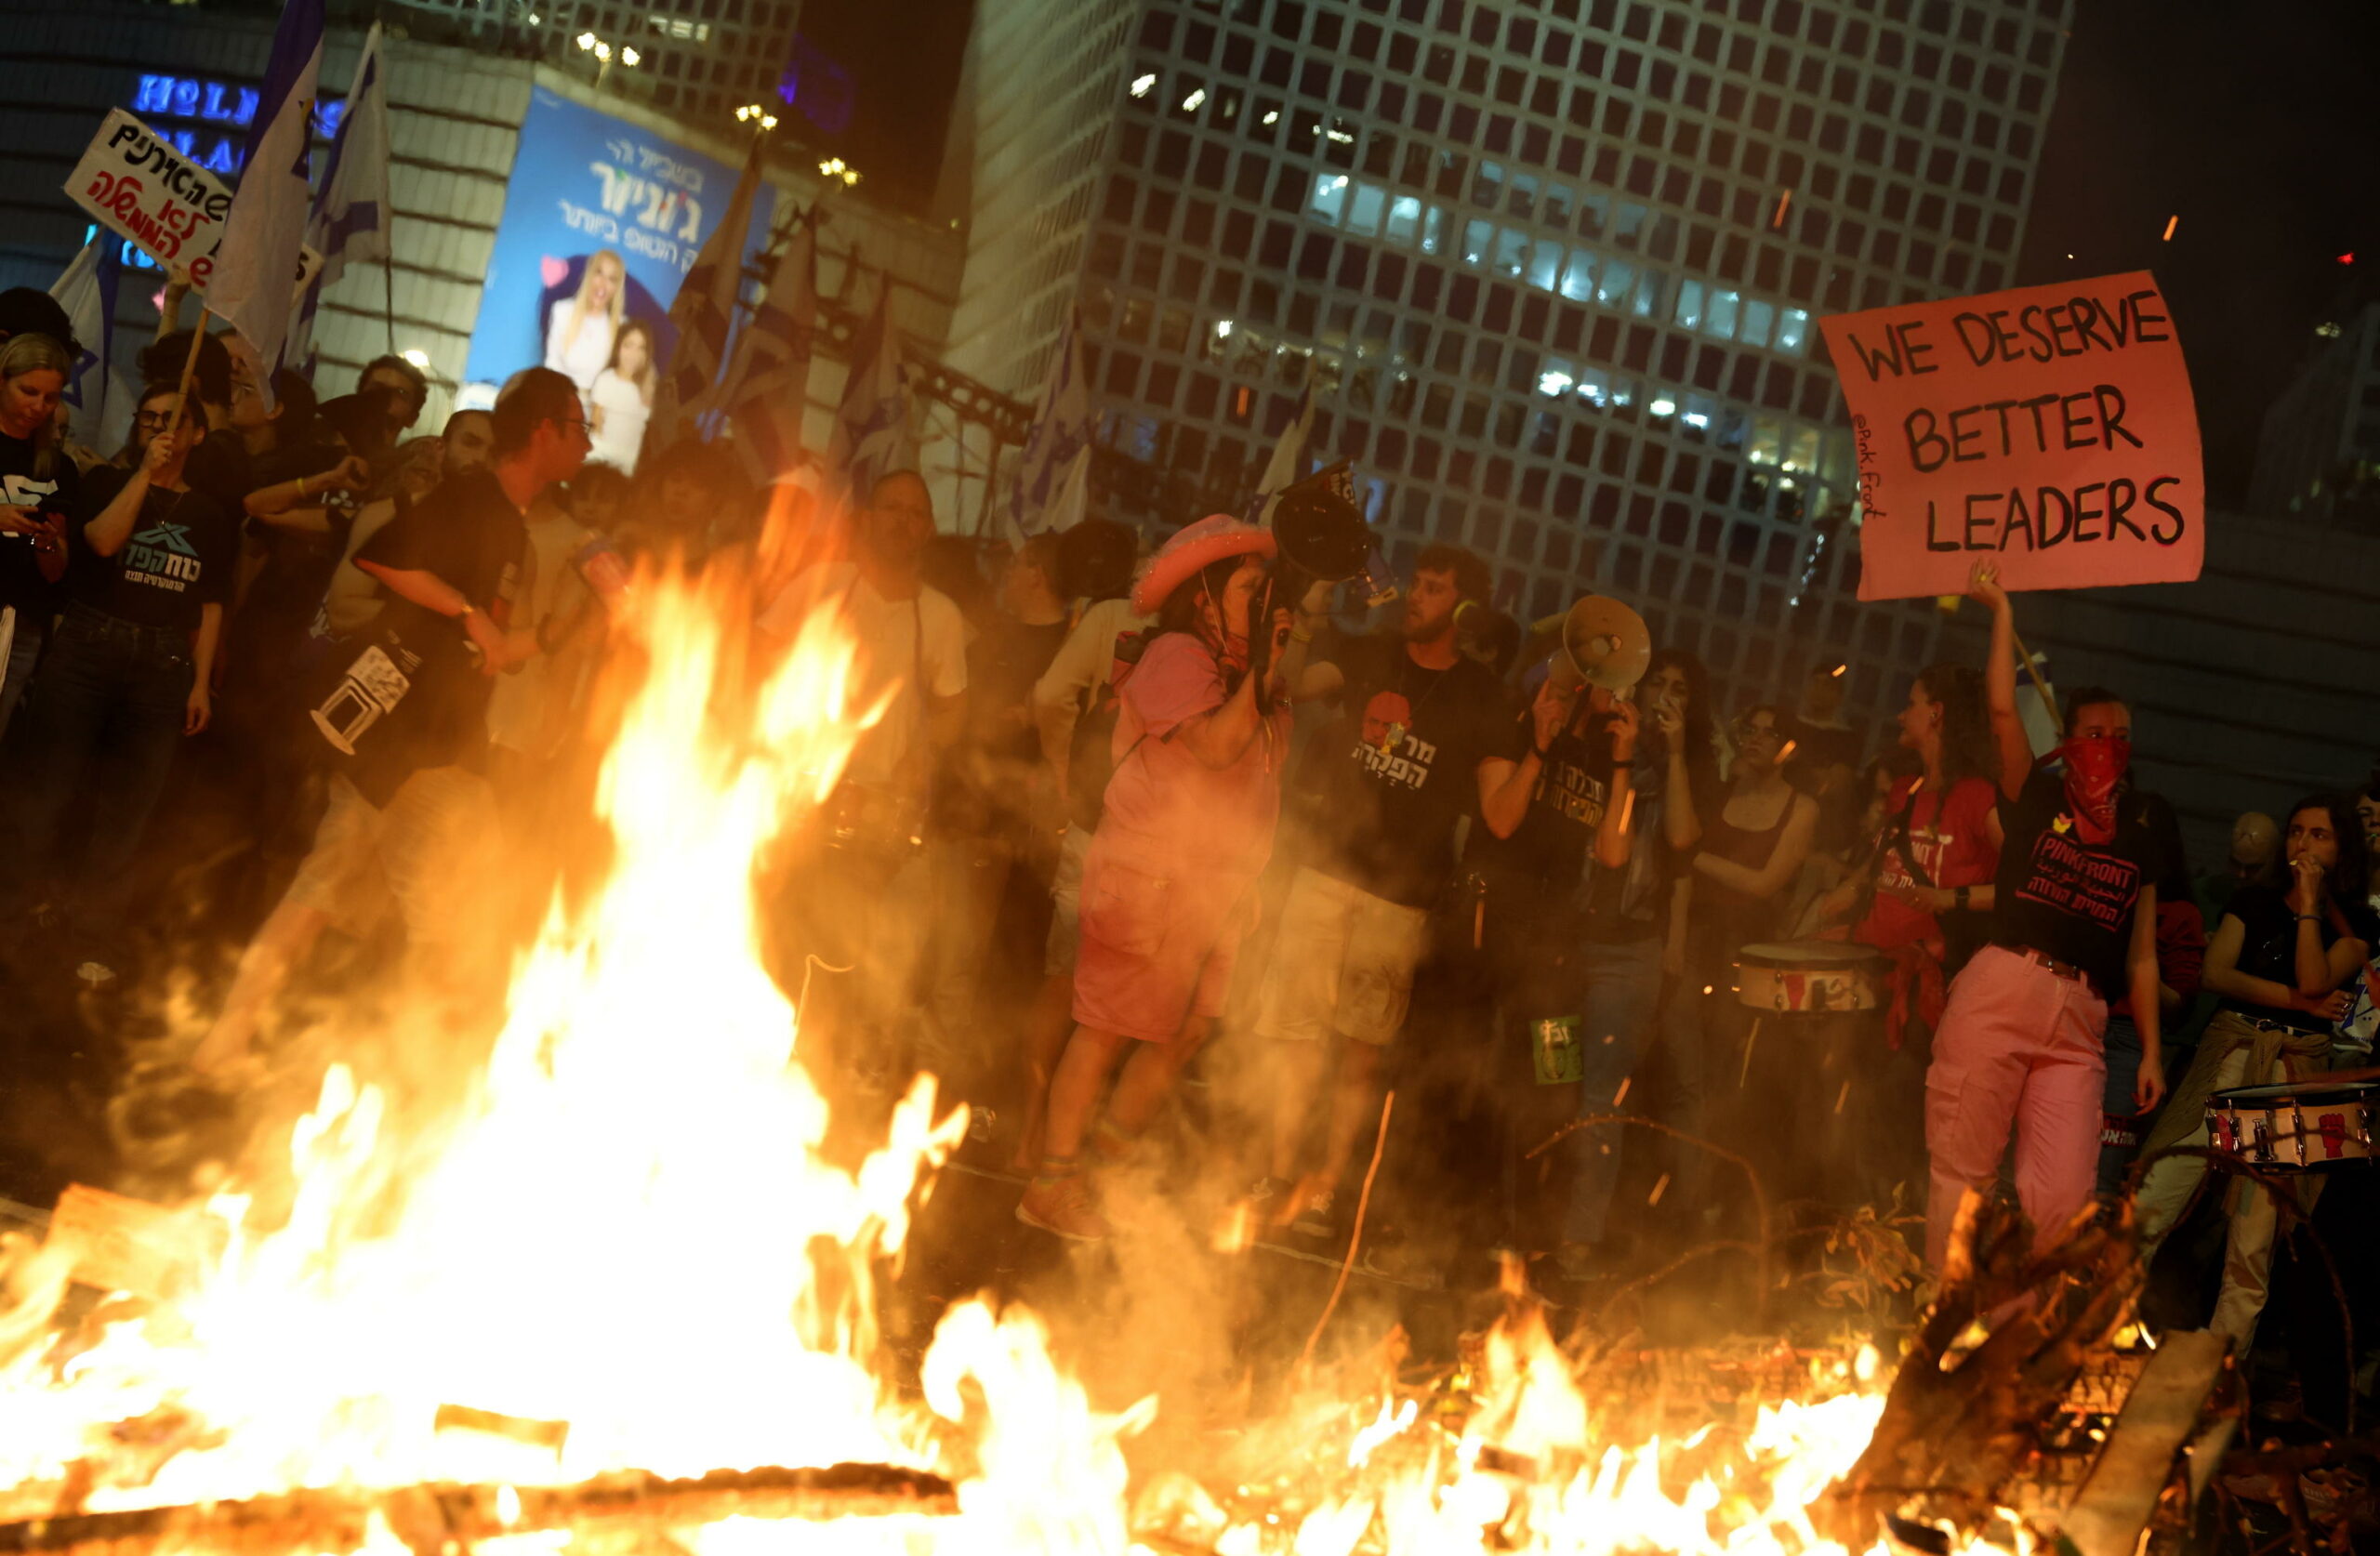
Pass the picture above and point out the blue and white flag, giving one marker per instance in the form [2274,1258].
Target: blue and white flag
[1049,485]
[702,315]
[254,285]
[871,436]
[1289,456]
[351,219]
[767,390]
[86,289]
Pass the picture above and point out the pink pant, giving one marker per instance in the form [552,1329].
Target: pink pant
[2017,1044]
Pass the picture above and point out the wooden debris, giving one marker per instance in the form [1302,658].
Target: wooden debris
[447,1520]
[2163,1414]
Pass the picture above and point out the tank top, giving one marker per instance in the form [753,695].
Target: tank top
[1736,918]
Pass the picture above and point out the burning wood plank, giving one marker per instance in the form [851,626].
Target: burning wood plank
[2165,1410]
[440,1520]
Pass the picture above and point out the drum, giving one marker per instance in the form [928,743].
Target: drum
[2303,1123]
[1808,977]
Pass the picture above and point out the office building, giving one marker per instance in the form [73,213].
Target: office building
[1555,266]
[2318,455]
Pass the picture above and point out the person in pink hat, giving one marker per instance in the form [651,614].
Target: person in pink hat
[1168,886]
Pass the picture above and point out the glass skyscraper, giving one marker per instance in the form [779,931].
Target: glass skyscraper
[1553,265]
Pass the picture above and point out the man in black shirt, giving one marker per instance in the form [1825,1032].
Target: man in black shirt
[1418,741]
[409,808]
[2074,925]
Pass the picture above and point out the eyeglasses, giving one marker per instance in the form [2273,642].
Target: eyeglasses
[151,418]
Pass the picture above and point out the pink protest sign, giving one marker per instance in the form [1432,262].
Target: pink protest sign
[2049,428]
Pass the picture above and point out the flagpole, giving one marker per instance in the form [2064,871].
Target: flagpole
[189,371]
[389,281]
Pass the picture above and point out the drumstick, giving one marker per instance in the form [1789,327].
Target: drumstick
[1749,1038]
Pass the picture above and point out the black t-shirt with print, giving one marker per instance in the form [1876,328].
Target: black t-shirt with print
[1392,774]
[416,666]
[182,554]
[2069,899]
[1551,853]
[2268,947]
[59,491]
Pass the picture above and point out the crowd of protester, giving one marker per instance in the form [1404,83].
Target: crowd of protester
[1130,825]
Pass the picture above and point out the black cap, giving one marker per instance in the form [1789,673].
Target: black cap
[30,310]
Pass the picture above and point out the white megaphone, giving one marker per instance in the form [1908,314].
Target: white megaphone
[1602,642]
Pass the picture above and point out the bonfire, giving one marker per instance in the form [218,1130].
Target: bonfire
[618,1295]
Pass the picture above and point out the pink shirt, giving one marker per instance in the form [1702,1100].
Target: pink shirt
[1167,808]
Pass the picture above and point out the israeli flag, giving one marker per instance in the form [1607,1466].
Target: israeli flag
[86,289]
[254,284]
[351,219]
[1289,456]
[768,382]
[871,436]
[702,315]
[1049,485]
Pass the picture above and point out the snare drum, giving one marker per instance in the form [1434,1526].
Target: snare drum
[1805,977]
[2303,1124]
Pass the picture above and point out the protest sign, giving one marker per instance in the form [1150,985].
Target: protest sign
[137,184]
[2050,428]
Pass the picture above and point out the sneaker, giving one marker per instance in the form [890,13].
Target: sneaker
[1063,1209]
[1318,1217]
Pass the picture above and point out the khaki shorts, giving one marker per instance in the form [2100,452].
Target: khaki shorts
[1343,961]
[420,853]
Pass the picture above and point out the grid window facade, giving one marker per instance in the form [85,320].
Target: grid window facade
[1555,268]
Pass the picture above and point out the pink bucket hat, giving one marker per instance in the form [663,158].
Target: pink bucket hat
[1209,540]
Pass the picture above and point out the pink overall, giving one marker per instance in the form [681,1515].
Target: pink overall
[2018,1044]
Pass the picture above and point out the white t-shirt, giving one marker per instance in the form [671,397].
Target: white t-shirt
[582,357]
[622,407]
[902,643]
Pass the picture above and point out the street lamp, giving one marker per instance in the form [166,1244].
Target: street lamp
[590,43]
[759,118]
[836,167]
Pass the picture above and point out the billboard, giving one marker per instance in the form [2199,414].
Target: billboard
[601,222]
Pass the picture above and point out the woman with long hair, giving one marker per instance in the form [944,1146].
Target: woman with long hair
[39,488]
[1185,829]
[621,401]
[579,334]
[2280,959]
[1756,832]
[1922,897]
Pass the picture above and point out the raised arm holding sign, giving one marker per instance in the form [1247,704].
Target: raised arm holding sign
[2049,428]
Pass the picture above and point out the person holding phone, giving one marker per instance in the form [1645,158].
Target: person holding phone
[39,487]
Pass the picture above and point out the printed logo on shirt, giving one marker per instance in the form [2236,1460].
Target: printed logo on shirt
[1388,748]
[1570,792]
[161,556]
[23,491]
[2099,888]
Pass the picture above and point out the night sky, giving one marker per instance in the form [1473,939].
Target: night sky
[2256,122]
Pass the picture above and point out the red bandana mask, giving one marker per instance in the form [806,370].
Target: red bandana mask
[2095,766]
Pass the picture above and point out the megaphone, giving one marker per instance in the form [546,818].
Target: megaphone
[1321,534]
[1601,642]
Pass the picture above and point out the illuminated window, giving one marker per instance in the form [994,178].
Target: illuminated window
[1476,236]
[1719,318]
[1544,264]
[1690,305]
[1404,218]
[1793,331]
[1330,201]
[1512,251]
[1759,319]
[1619,277]
[1579,276]
[1364,210]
